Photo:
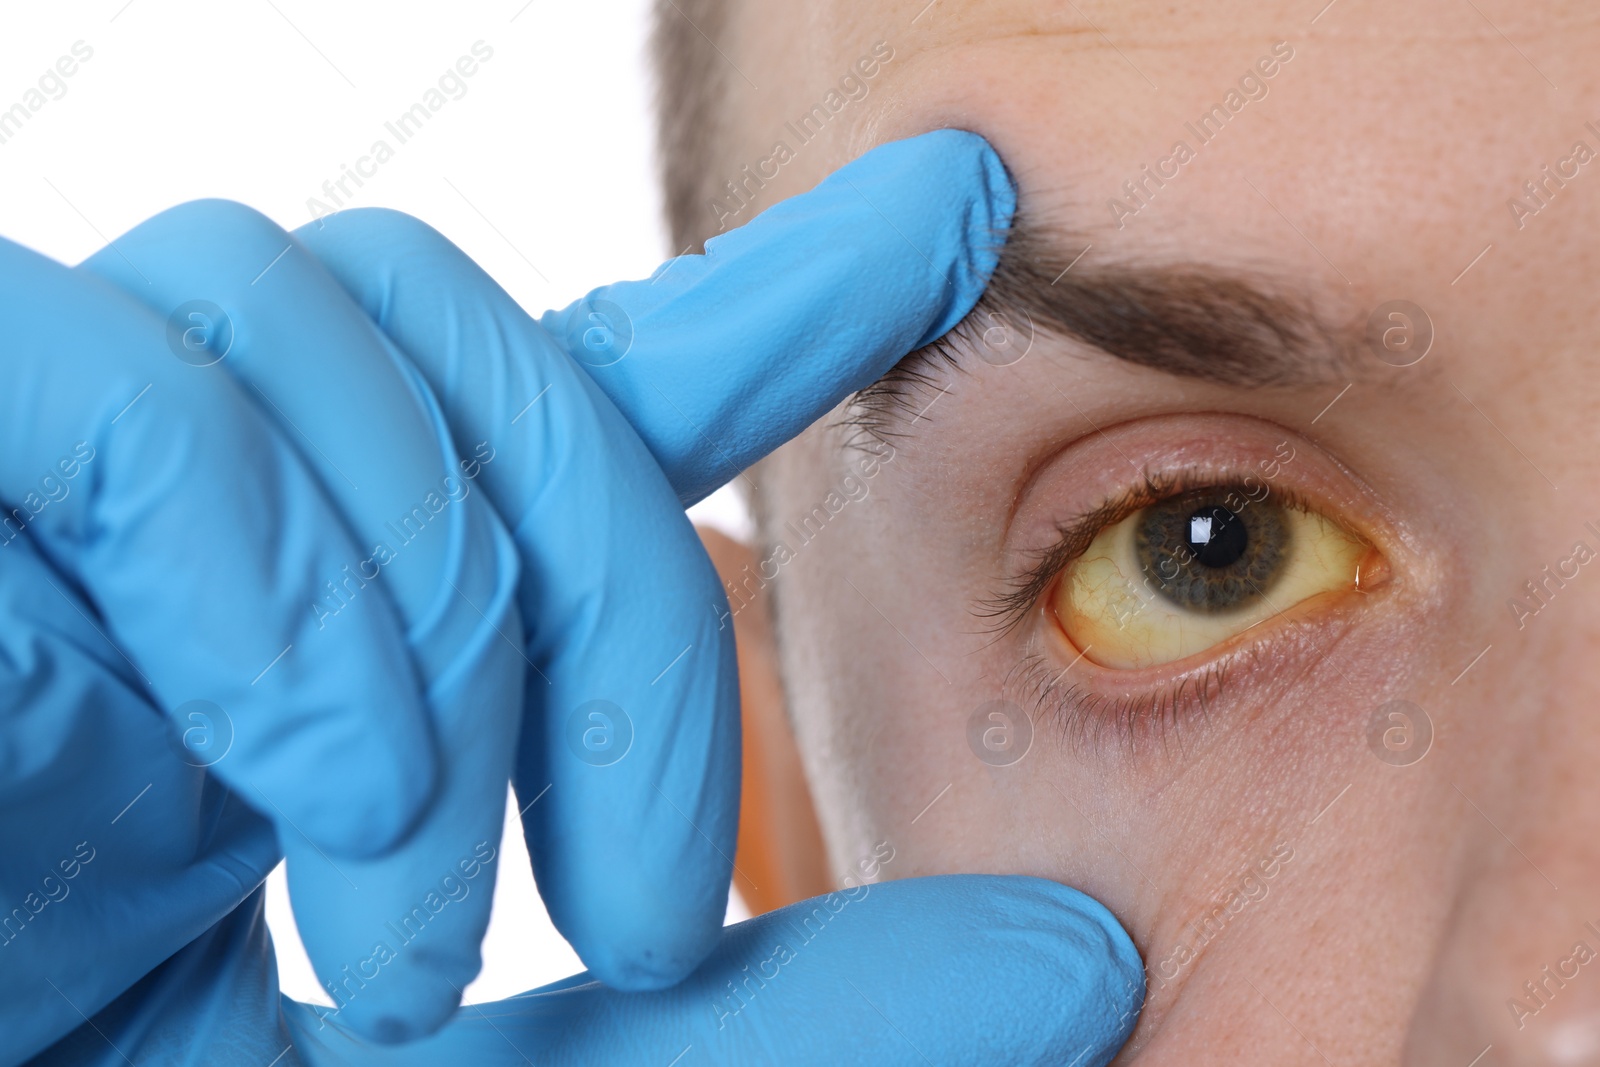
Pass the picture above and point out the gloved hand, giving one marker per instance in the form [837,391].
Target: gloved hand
[715,361]
[161,546]
[613,414]
[632,855]
[958,969]
[382,930]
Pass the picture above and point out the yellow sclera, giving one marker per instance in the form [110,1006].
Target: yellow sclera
[1115,614]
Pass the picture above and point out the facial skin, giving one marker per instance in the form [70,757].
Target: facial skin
[1380,913]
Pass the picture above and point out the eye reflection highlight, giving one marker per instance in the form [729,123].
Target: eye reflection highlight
[1191,571]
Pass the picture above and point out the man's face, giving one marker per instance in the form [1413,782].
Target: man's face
[1314,875]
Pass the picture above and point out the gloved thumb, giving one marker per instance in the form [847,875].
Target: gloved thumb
[946,969]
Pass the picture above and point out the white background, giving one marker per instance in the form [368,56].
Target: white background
[543,172]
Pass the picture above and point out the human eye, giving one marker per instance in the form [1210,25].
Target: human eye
[1189,567]
[1231,558]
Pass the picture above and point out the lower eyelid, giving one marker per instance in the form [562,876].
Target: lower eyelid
[1087,717]
[1094,709]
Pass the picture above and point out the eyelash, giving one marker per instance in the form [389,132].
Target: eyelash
[1078,710]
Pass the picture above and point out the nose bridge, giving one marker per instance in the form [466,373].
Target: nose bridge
[1516,979]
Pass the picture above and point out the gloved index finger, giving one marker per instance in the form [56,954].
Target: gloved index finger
[719,358]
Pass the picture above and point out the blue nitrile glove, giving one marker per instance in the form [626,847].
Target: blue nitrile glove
[187,532]
[715,361]
[633,859]
[614,413]
[384,932]
[949,969]
[160,547]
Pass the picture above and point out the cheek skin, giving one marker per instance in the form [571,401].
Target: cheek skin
[841,671]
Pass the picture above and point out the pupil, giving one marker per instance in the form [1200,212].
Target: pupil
[1215,536]
[1204,556]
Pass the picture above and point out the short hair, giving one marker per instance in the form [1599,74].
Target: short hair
[691,83]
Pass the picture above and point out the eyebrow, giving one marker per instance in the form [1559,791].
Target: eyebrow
[1223,326]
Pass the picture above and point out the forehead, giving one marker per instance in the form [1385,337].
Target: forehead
[1377,150]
